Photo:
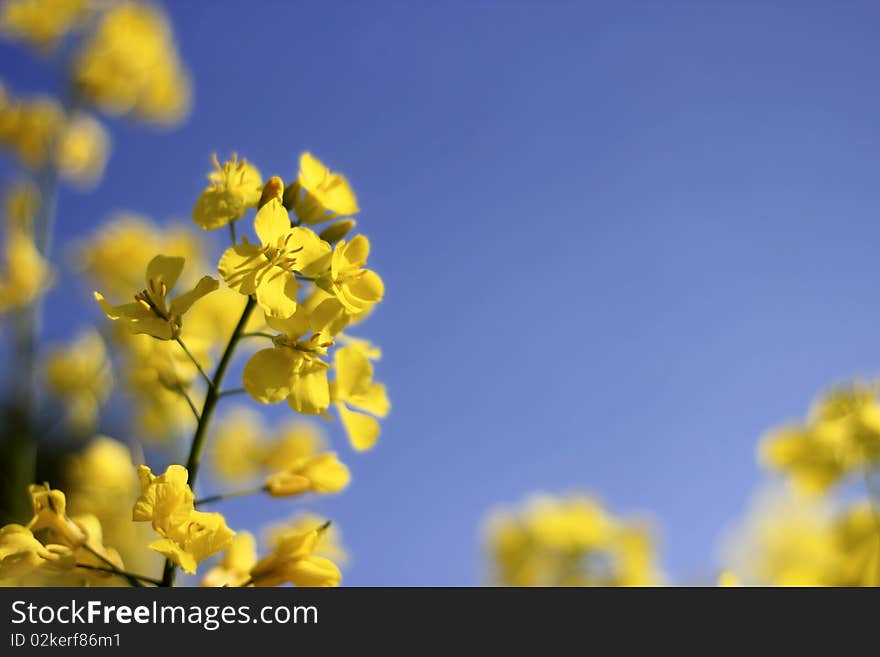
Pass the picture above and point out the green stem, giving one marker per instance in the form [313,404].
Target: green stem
[232,391]
[228,496]
[232,232]
[198,442]
[194,361]
[122,573]
[190,403]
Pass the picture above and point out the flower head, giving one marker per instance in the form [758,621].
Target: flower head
[130,65]
[268,270]
[151,313]
[319,194]
[235,187]
[294,561]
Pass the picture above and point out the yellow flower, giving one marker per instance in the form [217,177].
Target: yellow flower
[166,500]
[235,565]
[856,536]
[293,441]
[292,369]
[235,187]
[50,519]
[82,150]
[237,450]
[20,552]
[197,538]
[354,386]
[26,275]
[319,194]
[319,474]
[294,561]
[841,437]
[130,65]
[569,541]
[267,270]
[356,288]
[80,374]
[187,536]
[42,23]
[243,447]
[330,545]
[783,541]
[102,481]
[30,129]
[150,313]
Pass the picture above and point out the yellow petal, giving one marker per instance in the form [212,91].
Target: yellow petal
[356,251]
[310,392]
[373,400]
[267,375]
[363,430]
[313,571]
[276,292]
[164,269]
[313,256]
[240,265]
[181,304]
[168,548]
[354,372]
[272,222]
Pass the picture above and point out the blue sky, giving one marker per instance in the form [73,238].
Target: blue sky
[620,240]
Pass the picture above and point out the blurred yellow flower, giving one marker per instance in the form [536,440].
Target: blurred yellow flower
[42,23]
[81,376]
[116,255]
[82,150]
[294,561]
[30,128]
[25,274]
[319,194]
[235,565]
[783,541]
[150,313]
[323,473]
[857,536]
[267,270]
[130,65]
[569,541]
[841,437]
[354,387]
[235,187]
[243,447]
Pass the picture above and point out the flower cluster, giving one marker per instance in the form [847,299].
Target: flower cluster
[569,541]
[840,438]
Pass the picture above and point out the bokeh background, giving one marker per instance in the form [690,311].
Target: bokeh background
[620,241]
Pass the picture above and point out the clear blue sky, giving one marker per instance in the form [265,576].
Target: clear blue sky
[620,240]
